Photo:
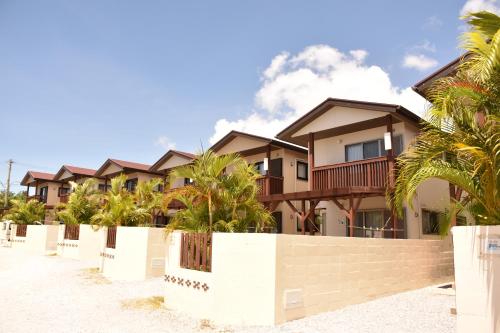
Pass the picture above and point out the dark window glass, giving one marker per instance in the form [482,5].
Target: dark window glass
[371,149]
[302,170]
[430,222]
[131,184]
[259,167]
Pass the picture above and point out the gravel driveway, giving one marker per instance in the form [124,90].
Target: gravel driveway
[52,294]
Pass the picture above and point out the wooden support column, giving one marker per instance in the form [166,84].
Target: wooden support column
[352,215]
[268,173]
[310,160]
[105,184]
[28,192]
[392,178]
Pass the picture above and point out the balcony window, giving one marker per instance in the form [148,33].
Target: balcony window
[43,193]
[371,149]
[302,170]
[104,188]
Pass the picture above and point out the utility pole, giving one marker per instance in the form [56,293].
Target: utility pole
[7,188]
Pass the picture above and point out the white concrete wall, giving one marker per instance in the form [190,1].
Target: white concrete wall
[276,278]
[477,278]
[139,254]
[88,247]
[40,239]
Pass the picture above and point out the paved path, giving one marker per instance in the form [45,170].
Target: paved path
[51,294]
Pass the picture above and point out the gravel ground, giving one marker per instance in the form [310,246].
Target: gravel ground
[52,294]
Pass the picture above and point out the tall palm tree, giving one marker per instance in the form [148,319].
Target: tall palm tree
[26,212]
[83,203]
[119,208]
[460,141]
[223,191]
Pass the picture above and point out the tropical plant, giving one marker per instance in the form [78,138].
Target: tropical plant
[148,197]
[119,208]
[83,203]
[26,212]
[460,141]
[221,196]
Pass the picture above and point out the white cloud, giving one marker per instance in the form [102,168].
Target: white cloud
[164,142]
[294,84]
[432,23]
[472,6]
[419,62]
[425,46]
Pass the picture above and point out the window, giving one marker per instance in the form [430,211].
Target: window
[371,149]
[302,170]
[187,181]
[430,222]
[369,224]
[103,187]
[308,225]
[63,191]
[131,184]
[158,188]
[43,193]
[259,167]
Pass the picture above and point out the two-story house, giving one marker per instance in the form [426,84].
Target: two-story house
[78,175]
[135,172]
[45,189]
[351,150]
[283,167]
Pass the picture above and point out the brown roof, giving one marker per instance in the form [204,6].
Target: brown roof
[36,175]
[125,165]
[447,70]
[233,134]
[167,155]
[394,109]
[76,171]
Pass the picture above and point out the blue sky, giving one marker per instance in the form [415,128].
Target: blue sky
[81,81]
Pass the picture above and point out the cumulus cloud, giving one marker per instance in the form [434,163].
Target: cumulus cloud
[419,62]
[294,84]
[472,6]
[164,142]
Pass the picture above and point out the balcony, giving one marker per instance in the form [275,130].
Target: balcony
[38,198]
[370,174]
[270,185]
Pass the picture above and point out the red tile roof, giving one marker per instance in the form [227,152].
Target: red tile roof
[131,165]
[41,175]
[80,171]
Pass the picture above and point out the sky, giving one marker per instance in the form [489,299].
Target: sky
[83,81]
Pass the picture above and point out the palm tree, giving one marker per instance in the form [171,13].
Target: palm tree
[221,196]
[83,203]
[26,212]
[119,208]
[460,141]
[147,196]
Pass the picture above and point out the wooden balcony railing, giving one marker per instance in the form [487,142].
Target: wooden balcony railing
[63,198]
[370,173]
[196,251]
[270,185]
[38,198]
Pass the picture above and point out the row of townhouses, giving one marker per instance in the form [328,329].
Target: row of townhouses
[326,174]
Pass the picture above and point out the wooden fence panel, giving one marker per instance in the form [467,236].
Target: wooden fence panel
[111,238]
[196,251]
[72,231]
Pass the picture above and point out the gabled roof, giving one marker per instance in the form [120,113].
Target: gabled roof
[36,175]
[397,111]
[168,155]
[75,171]
[447,70]
[124,165]
[265,141]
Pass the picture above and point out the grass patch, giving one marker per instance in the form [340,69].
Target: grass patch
[149,303]
[93,275]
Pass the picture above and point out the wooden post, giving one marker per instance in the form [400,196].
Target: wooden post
[28,192]
[352,214]
[391,181]
[268,173]
[310,160]
[36,188]
[105,184]
[303,217]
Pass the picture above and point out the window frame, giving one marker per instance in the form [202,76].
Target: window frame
[430,211]
[381,151]
[299,162]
